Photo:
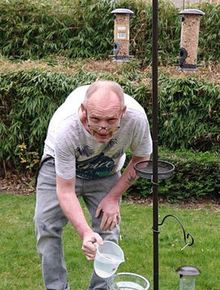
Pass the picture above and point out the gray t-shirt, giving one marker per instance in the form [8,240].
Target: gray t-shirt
[76,151]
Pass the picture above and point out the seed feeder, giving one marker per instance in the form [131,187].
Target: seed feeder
[187,277]
[121,34]
[189,38]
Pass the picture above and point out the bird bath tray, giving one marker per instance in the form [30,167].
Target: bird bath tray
[145,169]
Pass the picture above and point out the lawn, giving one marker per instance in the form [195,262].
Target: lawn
[19,262]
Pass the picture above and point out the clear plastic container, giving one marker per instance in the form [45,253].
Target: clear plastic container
[128,281]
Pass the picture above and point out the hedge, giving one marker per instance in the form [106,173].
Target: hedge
[189,121]
[84,28]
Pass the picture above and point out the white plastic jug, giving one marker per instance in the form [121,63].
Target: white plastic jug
[108,257]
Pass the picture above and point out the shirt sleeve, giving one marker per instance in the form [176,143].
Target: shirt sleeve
[65,161]
[142,142]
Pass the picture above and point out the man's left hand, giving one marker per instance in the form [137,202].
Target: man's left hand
[109,208]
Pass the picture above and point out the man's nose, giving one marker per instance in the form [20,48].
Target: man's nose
[103,124]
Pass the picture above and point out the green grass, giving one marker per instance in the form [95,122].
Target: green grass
[19,262]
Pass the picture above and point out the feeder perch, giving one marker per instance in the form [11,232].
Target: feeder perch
[189,38]
[121,34]
[187,277]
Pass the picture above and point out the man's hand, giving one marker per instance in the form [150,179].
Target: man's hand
[90,242]
[109,208]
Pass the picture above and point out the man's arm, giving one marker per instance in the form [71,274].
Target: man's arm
[74,213]
[109,206]
[128,177]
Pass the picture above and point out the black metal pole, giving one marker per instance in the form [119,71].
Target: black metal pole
[155,142]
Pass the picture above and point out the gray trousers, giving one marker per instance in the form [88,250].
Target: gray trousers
[50,220]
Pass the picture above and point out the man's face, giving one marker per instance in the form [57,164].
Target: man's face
[103,116]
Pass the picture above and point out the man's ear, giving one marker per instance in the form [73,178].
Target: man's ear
[83,112]
[124,110]
[83,109]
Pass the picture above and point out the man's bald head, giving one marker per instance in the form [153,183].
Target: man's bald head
[106,88]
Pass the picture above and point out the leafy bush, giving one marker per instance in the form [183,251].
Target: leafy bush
[189,113]
[27,103]
[35,29]
[84,28]
[28,100]
[189,107]
[209,44]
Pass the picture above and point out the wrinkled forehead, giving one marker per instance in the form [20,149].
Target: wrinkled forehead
[104,104]
[104,97]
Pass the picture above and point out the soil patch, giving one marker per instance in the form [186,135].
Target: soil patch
[22,184]
[60,64]
[17,184]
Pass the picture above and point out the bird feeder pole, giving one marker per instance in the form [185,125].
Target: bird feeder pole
[155,142]
[155,169]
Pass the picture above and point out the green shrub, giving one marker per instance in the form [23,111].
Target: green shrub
[189,113]
[28,100]
[209,44]
[188,107]
[35,29]
[84,28]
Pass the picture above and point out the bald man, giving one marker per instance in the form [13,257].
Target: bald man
[84,153]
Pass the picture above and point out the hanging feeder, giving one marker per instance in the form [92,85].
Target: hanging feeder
[189,38]
[121,34]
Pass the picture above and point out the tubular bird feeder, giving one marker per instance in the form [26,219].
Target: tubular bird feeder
[189,38]
[121,34]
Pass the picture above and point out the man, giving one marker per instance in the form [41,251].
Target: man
[84,152]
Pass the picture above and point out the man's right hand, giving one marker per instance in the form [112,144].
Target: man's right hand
[90,242]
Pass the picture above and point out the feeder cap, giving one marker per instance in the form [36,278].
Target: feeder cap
[188,271]
[122,11]
[192,12]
